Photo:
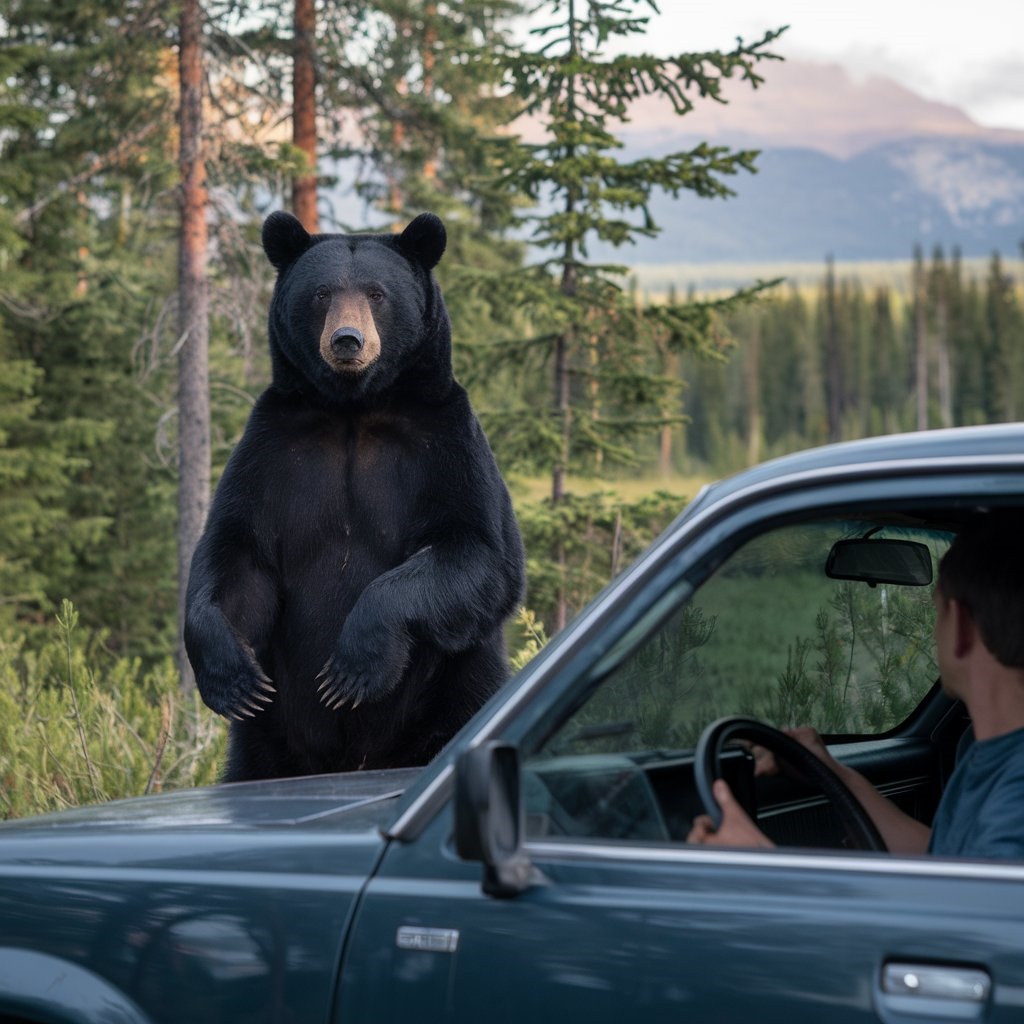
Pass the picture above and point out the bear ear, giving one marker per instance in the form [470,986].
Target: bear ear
[284,239]
[424,240]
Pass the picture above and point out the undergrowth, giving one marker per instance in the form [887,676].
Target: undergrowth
[80,726]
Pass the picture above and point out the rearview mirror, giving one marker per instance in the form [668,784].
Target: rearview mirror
[904,562]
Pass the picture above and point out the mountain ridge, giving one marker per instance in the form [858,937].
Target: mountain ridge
[805,204]
[809,105]
[859,169]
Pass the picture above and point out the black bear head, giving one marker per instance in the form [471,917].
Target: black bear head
[358,319]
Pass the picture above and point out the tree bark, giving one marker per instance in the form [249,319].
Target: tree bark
[429,44]
[304,186]
[193,316]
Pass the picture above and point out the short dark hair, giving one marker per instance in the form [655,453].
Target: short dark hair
[984,570]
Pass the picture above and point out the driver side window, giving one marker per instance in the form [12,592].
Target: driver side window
[769,635]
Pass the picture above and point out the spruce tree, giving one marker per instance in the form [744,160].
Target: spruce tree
[83,125]
[607,389]
[1005,342]
[87,243]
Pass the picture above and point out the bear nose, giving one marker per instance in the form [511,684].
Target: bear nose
[347,342]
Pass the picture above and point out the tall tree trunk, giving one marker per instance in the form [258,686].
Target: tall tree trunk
[193,316]
[304,187]
[396,186]
[429,45]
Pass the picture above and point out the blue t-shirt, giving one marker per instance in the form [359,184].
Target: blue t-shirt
[981,813]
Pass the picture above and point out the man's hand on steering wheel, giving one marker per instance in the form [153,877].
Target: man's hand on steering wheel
[802,754]
[736,830]
[765,762]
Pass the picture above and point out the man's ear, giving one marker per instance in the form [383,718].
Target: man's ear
[965,630]
[284,239]
[424,240]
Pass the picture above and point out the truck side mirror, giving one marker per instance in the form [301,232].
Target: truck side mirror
[489,817]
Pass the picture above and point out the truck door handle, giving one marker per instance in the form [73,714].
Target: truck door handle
[933,991]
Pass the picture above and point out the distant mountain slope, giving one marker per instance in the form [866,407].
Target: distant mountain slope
[861,169]
[803,204]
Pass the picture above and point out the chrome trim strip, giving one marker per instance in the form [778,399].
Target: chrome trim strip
[849,473]
[407,821]
[873,863]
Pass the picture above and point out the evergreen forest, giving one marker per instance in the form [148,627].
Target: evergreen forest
[142,145]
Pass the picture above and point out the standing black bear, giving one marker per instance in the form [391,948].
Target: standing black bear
[347,598]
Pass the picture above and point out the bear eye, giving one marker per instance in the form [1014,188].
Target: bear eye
[322,294]
[375,295]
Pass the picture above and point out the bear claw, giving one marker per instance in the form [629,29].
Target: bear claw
[238,694]
[338,688]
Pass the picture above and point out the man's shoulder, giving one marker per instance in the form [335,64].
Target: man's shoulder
[980,812]
[998,756]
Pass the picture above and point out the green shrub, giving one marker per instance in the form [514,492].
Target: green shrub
[79,726]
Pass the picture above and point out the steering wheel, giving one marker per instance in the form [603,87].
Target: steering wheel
[707,767]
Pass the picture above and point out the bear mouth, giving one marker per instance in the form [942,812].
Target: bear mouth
[349,366]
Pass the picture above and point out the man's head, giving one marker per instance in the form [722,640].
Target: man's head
[983,572]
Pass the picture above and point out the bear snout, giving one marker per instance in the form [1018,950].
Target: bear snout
[349,339]
[347,342]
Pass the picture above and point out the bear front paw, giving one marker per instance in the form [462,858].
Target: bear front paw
[236,692]
[364,672]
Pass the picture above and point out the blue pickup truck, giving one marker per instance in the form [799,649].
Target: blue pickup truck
[539,868]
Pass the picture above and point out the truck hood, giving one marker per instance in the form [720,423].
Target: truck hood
[353,801]
[225,903]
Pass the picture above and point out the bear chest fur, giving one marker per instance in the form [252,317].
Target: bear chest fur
[361,478]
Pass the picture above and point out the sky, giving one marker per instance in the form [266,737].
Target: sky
[969,54]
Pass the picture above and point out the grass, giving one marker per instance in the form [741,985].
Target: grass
[630,489]
[656,280]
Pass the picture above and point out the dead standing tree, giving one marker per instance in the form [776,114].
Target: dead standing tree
[193,314]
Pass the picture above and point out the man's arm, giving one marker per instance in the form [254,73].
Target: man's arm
[901,832]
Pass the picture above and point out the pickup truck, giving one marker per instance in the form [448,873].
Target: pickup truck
[539,869]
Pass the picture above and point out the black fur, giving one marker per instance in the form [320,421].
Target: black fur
[347,598]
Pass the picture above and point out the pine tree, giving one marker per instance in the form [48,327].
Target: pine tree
[594,341]
[84,122]
[87,240]
[921,339]
[939,286]
[832,348]
[1005,324]
[887,384]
